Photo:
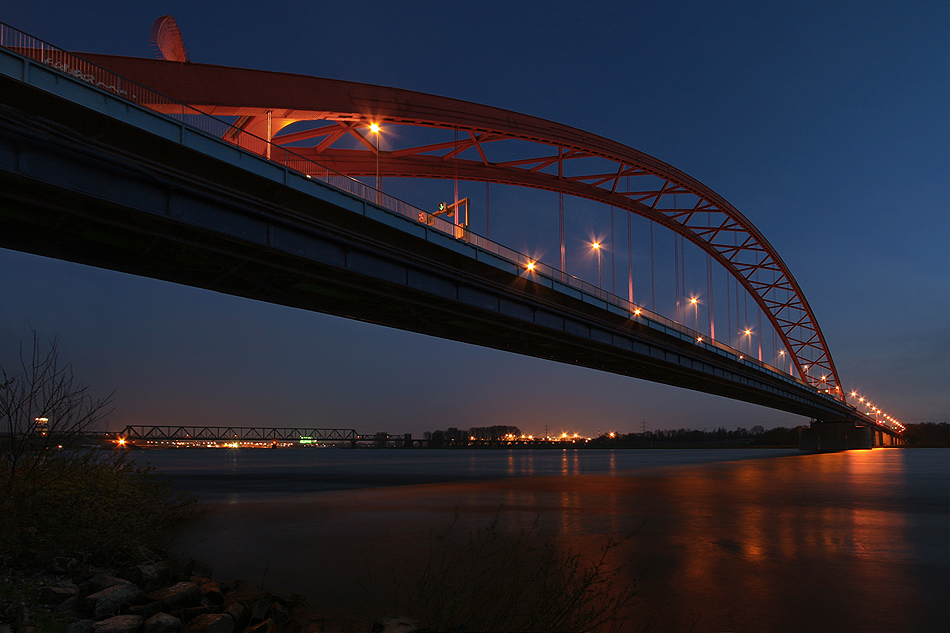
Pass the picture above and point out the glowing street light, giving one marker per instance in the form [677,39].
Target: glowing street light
[695,303]
[600,279]
[748,333]
[374,128]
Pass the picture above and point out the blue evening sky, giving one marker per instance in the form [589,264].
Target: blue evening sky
[827,124]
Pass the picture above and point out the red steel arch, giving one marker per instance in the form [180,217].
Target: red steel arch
[532,152]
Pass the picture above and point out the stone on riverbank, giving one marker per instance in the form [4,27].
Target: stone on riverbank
[211,592]
[240,613]
[119,624]
[153,598]
[211,623]
[56,595]
[162,623]
[112,599]
[98,582]
[181,594]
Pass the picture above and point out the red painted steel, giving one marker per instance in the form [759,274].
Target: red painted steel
[532,152]
[165,38]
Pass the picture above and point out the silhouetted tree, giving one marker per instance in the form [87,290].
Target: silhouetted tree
[42,408]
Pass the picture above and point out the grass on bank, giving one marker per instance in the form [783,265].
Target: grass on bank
[93,506]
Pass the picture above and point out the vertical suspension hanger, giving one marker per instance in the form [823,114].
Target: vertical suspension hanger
[613,248]
[560,174]
[629,250]
[652,271]
[456,162]
[709,287]
[487,211]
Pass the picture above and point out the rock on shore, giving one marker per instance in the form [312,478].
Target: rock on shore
[163,597]
[167,597]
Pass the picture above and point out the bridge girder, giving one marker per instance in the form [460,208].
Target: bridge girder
[565,160]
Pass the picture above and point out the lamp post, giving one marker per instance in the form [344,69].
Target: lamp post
[748,333]
[374,128]
[695,303]
[600,279]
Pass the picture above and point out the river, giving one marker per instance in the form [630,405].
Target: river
[717,540]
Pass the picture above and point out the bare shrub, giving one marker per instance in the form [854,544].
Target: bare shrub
[42,409]
[490,580]
[59,498]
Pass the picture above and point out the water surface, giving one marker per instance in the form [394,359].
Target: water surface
[722,540]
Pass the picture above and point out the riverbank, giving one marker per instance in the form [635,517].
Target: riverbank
[155,596]
[487,580]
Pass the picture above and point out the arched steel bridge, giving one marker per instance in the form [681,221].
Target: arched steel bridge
[525,151]
[536,153]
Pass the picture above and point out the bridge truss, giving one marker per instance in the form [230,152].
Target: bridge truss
[235,434]
[495,146]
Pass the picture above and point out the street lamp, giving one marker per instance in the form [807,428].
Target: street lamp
[600,279]
[374,128]
[748,333]
[782,354]
[695,303]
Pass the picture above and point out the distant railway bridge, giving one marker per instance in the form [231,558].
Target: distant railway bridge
[171,435]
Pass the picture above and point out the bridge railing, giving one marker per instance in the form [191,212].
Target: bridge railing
[104,79]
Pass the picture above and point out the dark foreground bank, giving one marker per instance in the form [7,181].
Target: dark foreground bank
[161,596]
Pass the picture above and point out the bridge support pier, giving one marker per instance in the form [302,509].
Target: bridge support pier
[835,436]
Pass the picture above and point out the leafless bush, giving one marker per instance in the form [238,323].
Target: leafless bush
[60,498]
[43,408]
[490,580]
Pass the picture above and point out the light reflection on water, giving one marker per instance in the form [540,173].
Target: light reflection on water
[850,541]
